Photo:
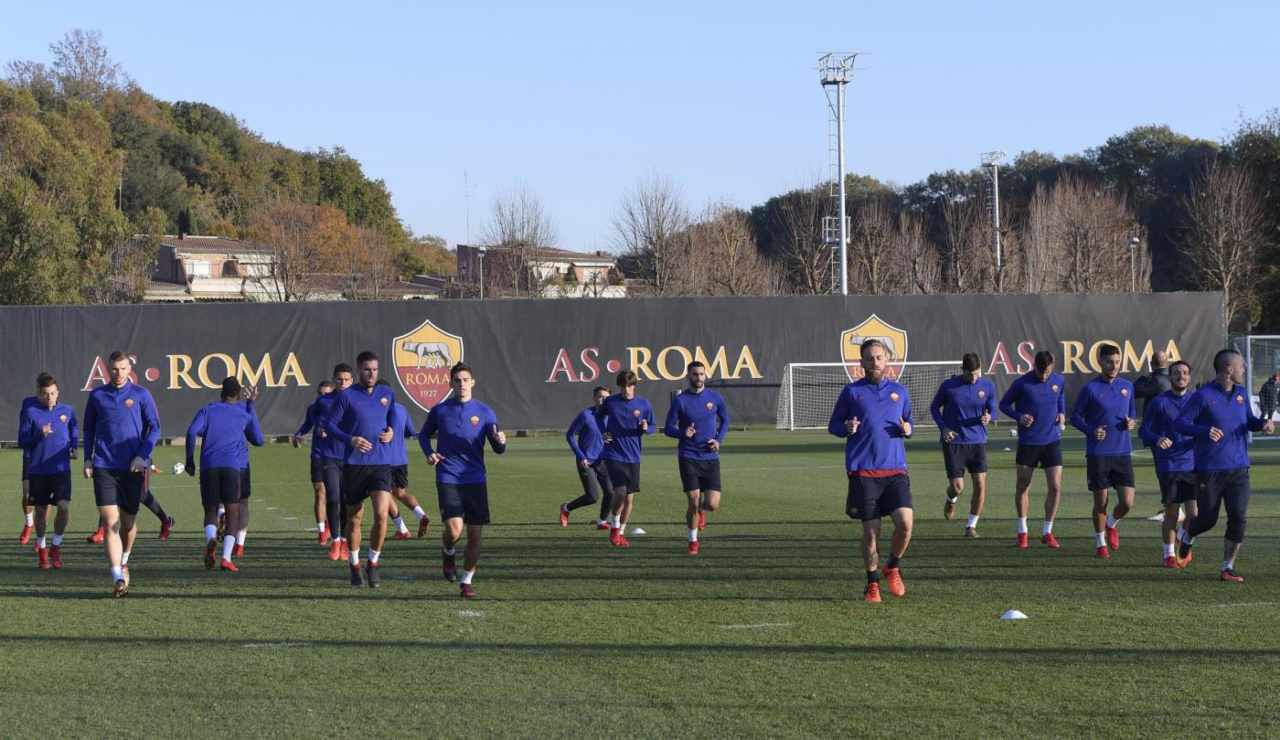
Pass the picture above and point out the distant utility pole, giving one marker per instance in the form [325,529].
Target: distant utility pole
[834,70]
[994,160]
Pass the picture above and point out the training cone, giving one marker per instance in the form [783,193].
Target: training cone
[636,531]
[1012,614]
[1008,449]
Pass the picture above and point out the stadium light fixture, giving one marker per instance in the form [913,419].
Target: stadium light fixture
[993,160]
[1133,270]
[834,70]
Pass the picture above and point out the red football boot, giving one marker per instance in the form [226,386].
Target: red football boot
[1231,576]
[893,576]
[1103,553]
[238,552]
[403,535]
[1049,541]
[1022,541]
[55,557]
[210,554]
[97,537]
[1170,561]
[1113,538]
[228,566]
[42,558]
[564,517]
[323,537]
[423,524]
[872,593]
[165,528]
[335,549]
[468,591]
[25,537]
[702,520]
[694,547]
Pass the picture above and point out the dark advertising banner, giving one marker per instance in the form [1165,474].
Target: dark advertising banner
[536,361]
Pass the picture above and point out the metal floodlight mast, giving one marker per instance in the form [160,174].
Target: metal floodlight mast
[835,70]
[994,160]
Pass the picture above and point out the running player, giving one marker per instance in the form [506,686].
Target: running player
[1174,455]
[1219,418]
[28,510]
[461,425]
[309,422]
[150,503]
[587,442]
[241,530]
[48,437]
[699,418]
[332,454]
[627,418]
[404,430]
[1037,402]
[222,428]
[121,429]
[962,408]
[873,416]
[360,419]
[1105,412]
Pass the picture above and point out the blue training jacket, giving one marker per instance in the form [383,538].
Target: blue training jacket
[1228,410]
[223,428]
[958,406]
[1160,420]
[48,454]
[1043,400]
[622,423]
[708,414]
[879,408]
[1105,404]
[460,430]
[119,425]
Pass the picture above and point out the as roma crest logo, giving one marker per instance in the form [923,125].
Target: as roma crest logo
[128,403]
[422,359]
[894,339]
[711,406]
[63,418]
[1240,400]
[384,400]
[894,396]
[1054,387]
[1124,391]
[475,420]
[636,413]
[982,394]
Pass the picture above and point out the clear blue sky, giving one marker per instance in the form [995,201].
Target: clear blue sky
[576,102]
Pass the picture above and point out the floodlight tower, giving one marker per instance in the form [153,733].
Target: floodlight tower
[994,160]
[834,70]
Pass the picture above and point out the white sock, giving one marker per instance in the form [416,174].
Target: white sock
[1112,522]
[614,520]
[240,537]
[622,529]
[1099,539]
[31,518]
[418,512]
[1229,564]
[117,573]
[228,547]
[210,532]
[693,535]
[952,499]
[221,510]
[467,575]
[57,540]
[1022,525]
[400,525]
[124,558]
[1048,527]
[355,557]
[374,555]
[320,526]
[449,551]
[1168,550]
[1184,538]
[41,543]
[973,521]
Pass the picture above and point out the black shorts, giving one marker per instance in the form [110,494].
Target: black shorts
[1040,456]
[700,475]
[1178,488]
[25,477]
[400,476]
[317,470]
[624,477]
[872,498]
[120,488]
[468,501]
[246,485]
[47,490]
[959,458]
[359,482]
[219,486]
[1109,471]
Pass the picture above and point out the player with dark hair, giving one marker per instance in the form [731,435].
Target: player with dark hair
[332,455]
[121,429]
[699,419]
[461,425]
[587,442]
[361,419]
[1174,455]
[627,418]
[962,408]
[309,422]
[1105,412]
[1219,418]
[1037,402]
[873,416]
[48,437]
[222,429]
[404,429]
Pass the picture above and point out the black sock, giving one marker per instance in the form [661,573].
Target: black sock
[873,576]
[1183,549]
[150,502]
[893,562]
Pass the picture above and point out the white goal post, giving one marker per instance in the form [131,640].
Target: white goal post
[809,390]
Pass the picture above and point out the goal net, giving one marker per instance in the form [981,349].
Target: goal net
[809,389]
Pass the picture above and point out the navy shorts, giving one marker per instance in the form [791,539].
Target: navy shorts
[1040,456]
[219,486]
[1109,471]
[1178,488]
[959,458]
[400,476]
[120,488]
[623,476]
[872,498]
[699,475]
[317,470]
[47,490]
[24,467]
[359,482]
[467,501]
[246,486]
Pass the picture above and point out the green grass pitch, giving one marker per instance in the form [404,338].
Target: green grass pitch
[764,633]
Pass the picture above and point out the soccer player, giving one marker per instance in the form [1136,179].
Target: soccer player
[361,420]
[699,418]
[461,425]
[121,429]
[1174,455]
[28,510]
[310,422]
[403,426]
[332,454]
[627,418]
[222,428]
[48,436]
[962,408]
[873,416]
[151,503]
[241,530]
[1105,412]
[1037,402]
[1219,418]
[587,442]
